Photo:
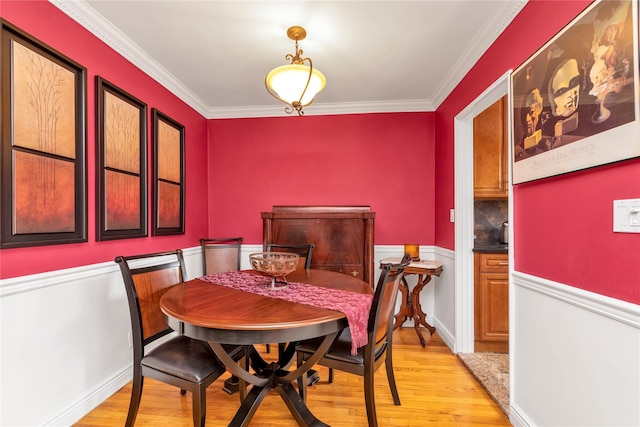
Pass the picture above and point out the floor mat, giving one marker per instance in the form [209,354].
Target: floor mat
[492,372]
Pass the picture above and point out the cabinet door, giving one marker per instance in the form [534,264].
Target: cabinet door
[494,303]
[491,302]
[490,171]
[343,236]
[340,243]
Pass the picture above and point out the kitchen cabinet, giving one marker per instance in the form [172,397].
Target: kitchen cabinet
[342,235]
[490,152]
[491,306]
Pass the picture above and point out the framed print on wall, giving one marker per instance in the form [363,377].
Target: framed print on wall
[168,175]
[121,167]
[575,101]
[43,156]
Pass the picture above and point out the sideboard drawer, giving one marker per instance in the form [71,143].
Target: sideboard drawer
[494,263]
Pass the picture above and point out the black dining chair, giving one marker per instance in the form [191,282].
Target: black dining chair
[379,346]
[304,251]
[180,361]
[220,254]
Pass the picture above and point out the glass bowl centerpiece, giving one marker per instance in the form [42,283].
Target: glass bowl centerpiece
[275,265]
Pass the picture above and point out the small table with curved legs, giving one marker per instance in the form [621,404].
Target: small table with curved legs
[220,314]
[410,307]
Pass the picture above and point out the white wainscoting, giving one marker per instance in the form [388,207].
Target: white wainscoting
[64,344]
[575,356]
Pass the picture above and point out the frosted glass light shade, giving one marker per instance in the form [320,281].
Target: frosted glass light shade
[288,81]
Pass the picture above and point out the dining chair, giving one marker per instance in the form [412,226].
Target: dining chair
[304,251]
[180,361]
[379,346]
[220,254]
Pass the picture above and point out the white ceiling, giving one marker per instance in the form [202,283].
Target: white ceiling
[377,56]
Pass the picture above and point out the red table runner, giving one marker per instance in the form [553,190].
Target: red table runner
[354,305]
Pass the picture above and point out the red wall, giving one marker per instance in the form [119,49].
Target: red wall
[47,23]
[563,226]
[382,160]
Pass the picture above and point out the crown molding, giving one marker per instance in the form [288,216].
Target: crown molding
[85,15]
[96,24]
[487,35]
[320,109]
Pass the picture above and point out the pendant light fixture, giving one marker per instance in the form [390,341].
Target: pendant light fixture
[295,84]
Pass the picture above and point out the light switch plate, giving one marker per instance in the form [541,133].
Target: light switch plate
[626,216]
[452,215]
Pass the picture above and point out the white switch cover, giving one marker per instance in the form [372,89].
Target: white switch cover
[452,215]
[626,216]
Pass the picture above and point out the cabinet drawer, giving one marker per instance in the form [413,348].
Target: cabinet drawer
[494,263]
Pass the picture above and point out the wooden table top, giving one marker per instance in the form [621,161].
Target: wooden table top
[219,313]
[430,267]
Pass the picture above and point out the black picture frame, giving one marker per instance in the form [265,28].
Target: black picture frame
[121,163]
[168,175]
[43,152]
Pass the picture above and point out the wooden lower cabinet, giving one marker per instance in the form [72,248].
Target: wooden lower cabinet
[491,302]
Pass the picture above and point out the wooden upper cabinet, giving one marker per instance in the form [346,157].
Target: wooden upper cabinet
[490,171]
[342,235]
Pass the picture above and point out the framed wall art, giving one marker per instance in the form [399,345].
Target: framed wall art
[575,101]
[43,154]
[168,175]
[121,171]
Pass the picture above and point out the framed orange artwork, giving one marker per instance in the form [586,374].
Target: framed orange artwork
[168,175]
[121,178]
[43,144]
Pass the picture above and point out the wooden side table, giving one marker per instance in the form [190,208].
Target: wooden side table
[410,307]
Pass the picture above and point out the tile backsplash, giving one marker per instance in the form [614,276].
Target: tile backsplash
[488,218]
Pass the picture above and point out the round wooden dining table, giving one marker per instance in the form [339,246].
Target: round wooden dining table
[222,315]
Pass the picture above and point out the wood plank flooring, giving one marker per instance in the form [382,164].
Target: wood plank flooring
[435,389]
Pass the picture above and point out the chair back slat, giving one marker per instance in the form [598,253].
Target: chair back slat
[221,254]
[146,278]
[150,286]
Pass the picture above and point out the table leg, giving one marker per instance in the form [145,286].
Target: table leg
[297,407]
[419,316]
[405,306]
[249,405]
[274,376]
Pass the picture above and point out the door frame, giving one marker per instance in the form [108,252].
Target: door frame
[464,212]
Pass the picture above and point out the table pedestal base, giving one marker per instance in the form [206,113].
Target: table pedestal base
[287,392]
[271,376]
[411,308]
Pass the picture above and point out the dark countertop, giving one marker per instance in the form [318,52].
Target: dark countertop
[493,248]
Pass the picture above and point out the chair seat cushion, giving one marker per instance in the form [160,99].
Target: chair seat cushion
[186,358]
[339,350]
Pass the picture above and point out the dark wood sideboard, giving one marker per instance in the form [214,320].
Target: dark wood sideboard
[342,235]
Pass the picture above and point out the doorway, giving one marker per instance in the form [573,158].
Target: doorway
[464,231]
[464,218]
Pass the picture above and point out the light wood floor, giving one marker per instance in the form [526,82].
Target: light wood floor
[435,389]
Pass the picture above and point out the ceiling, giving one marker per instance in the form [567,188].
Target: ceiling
[377,56]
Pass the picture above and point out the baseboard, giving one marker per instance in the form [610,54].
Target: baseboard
[92,400]
[517,418]
[445,334]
